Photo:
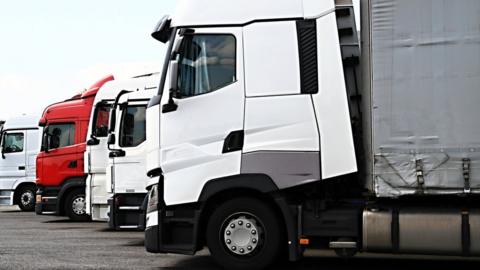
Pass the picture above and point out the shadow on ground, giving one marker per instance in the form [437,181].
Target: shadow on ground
[311,263]
[14,211]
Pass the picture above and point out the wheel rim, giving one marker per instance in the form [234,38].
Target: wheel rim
[78,205]
[243,234]
[27,198]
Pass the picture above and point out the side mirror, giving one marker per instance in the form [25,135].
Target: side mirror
[3,153]
[93,141]
[111,139]
[171,105]
[113,120]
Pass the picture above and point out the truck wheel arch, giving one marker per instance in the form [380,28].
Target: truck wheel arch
[67,187]
[261,183]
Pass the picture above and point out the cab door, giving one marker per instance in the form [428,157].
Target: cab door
[64,155]
[13,158]
[202,138]
[129,163]
[96,156]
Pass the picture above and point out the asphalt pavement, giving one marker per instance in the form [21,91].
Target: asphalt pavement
[28,241]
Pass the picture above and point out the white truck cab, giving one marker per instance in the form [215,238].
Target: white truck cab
[274,131]
[126,172]
[20,144]
[98,189]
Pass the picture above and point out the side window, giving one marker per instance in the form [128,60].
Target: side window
[133,128]
[101,118]
[206,63]
[61,135]
[13,143]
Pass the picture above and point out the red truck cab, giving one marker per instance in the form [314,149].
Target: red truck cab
[60,165]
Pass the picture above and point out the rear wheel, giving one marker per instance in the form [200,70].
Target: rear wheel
[244,233]
[26,198]
[75,206]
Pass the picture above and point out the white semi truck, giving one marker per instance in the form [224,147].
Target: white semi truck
[126,171]
[99,188]
[20,144]
[275,130]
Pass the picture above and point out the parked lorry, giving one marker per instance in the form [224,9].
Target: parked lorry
[20,144]
[60,164]
[127,172]
[270,134]
[107,178]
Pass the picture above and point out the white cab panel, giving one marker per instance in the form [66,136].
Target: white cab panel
[271,59]
[282,123]
[331,107]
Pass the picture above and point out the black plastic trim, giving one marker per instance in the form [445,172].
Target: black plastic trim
[166,62]
[19,129]
[154,173]
[233,142]
[307,46]
[466,234]
[259,182]
[395,230]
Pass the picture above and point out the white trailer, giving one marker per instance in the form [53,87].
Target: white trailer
[274,131]
[126,171]
[20,144]
[99,189]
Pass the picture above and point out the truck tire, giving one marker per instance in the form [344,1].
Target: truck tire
[75,206]
[244,233]
[26,198]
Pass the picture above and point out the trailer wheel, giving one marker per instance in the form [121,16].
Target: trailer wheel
[244,233]
[75,206]
[26,198]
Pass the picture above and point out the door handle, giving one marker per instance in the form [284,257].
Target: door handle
[21,168]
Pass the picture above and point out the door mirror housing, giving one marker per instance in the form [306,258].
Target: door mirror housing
[111,139]
[174,78]
[171,105]
[113,119]
[93,141]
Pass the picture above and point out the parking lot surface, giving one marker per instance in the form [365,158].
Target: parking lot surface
[28,241]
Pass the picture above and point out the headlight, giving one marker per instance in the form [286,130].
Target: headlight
[152,199]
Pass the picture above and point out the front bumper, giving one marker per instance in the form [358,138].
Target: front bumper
[47,201]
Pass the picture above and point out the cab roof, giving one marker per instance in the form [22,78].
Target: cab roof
[233,12]
[21,122]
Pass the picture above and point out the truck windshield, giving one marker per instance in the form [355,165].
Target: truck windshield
[13,143]
[206,63]
[133,128]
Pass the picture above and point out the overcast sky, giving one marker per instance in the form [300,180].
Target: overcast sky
[53,49]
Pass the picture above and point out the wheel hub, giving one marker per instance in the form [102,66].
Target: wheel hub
[241,235]
[26,198]
[78,206]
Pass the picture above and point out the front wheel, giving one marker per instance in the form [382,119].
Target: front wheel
[26,198]
[75,206]
[244,233]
